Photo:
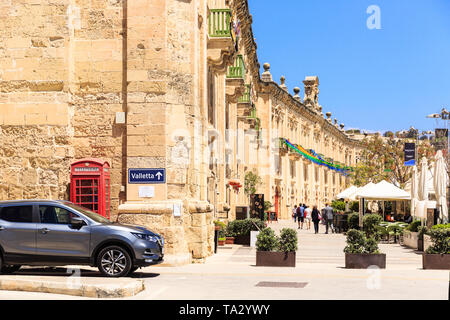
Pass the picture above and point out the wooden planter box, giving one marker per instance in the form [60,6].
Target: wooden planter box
[436,261]
[230,240]
[244,240]
[365,260]
[275,259]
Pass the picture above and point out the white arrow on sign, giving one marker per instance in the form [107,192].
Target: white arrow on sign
[159,175]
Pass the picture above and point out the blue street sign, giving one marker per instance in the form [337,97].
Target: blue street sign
[146,176]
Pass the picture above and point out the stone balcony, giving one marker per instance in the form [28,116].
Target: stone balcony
[221,45]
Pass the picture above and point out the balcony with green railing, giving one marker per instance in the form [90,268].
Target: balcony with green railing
[237,70]
[219,23]
[245,98]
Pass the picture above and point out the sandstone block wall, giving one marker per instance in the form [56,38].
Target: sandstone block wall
[61,84]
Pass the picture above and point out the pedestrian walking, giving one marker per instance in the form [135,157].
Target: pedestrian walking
[308,216]
[294,213]
[300,216]
[315,216]
[328,216]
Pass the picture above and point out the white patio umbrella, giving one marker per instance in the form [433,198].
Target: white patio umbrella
[440,186]
[346,193]
[422,190]
[414,193]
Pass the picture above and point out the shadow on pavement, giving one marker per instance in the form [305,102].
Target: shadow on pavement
[67,272]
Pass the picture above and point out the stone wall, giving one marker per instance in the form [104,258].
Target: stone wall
[35,109]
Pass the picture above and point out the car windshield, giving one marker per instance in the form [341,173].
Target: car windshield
[90,214]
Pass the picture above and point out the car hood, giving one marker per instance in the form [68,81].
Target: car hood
[131,228]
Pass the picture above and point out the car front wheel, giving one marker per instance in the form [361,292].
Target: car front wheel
[114,261]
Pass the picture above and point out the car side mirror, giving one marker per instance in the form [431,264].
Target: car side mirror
[77,223]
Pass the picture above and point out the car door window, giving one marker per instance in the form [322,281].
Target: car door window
[55,215]
[22,214]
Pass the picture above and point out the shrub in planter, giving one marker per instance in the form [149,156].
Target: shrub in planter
[355,241]
[362,252]
[222,241]
[441,226]
[240,229]
[437,256]
[413,226]
[441,241]
[276,251]
[371,223]
[353,220]
[267,240]
[288,240]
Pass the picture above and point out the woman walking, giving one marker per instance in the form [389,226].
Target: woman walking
[315,218]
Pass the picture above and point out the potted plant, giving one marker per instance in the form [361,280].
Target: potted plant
[437,256]
[410,235]
[353,220]
[362,252]
[220,227]
[241,229]
[273,251]
[222,241]
[229,236]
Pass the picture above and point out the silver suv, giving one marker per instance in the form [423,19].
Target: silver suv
[56,233]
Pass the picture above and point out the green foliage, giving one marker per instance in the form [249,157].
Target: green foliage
[355,241]
[243,227]
[421,231]
[251,182]
[353,220]
[441,241]
[338,205]
[413,226]
[267,205]
[441,226]
[222,238]
[358,243]
[383,159]
[371,223]
[354,206]
[287,240]
[371,245]
[220,224]
[267,240]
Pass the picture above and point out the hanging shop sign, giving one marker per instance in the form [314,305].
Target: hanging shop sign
[410,154]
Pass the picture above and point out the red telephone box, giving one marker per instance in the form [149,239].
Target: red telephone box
[90,185]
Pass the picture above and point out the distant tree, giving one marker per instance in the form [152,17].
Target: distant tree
[251,182]
[388,134]
[383,159]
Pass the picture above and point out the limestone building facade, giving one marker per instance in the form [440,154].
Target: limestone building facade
[171,84]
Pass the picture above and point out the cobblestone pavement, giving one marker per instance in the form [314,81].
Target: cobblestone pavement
[319,274]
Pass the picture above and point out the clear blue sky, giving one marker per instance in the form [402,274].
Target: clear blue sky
[386,79]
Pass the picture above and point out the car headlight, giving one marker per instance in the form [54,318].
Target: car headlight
[144,236]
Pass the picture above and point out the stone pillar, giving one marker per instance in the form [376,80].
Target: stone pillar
[165,124]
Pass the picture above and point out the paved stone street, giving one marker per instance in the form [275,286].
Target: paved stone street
[232,274]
